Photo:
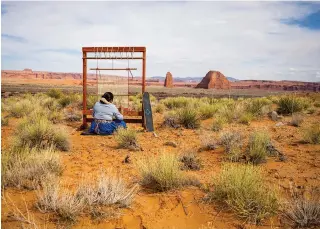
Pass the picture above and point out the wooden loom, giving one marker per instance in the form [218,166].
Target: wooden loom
[129,115]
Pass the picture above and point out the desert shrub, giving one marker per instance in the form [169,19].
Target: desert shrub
[4,121]
[302,211]
[161,172]
[171,119]
[243,189]
[107,190]
[208,142]
[176,102]
[66,205]
[317,104]
[190,161]
[39,132]
[292,104]
[207,111]
[297,119]
[91,100]
[28,168]
[258,106]
[257,148]
[126,138]
[159,108]
[246,118]
[21,108]
[232,142]
[311,110]
[226,112]
[55,93]
[311,134]
[72,115]
[188,117]
[218,123]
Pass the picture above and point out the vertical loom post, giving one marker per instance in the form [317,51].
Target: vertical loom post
[143,84]
[84,92]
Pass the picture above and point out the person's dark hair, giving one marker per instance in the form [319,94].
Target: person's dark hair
[108,96]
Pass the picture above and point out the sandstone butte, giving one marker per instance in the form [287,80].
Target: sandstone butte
[214,80]
[168,82]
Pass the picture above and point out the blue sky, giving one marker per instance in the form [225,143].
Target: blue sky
[245,40]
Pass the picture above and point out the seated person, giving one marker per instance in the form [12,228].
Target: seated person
[107,117]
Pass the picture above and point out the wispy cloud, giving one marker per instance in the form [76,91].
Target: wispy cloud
[244,40]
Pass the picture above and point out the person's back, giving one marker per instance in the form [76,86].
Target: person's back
[107,117]
[103,111]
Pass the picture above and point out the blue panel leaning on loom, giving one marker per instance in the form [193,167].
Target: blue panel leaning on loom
[107,117]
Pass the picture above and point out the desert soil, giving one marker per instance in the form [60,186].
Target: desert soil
[183,208]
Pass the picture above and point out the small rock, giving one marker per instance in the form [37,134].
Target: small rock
[279,124]
[173,144]
[127,160]
[274,116]
[155,134]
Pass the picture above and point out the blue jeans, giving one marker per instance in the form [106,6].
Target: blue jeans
[106,128]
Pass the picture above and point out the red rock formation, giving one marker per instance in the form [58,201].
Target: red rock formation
[214,79]
[169,80]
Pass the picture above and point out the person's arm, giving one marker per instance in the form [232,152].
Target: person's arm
[117,114]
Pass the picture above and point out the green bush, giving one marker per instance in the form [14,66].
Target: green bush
[176,102]
[258,106]
[207,111]
[188,117]
[257,148]
[55,93]
[243,189]
[291,104]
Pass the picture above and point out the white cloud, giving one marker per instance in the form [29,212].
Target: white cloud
[241,39]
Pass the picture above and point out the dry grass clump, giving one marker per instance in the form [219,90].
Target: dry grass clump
[188,117]
[246,118]
[55,93]
[243,189]
[302,210]
[126,138]
[28,168]
[218,124]
[107,190]
[72,115]
[207,142]
[39,132]
[311,134]
[190,161]
[171,119]
[160,108]
[258,147]
[291,104]
[66,205]
[232,142]
[4,121]
[89,197]
[161,172]
[297,119]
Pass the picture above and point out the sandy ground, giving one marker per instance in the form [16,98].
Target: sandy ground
[181,208]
